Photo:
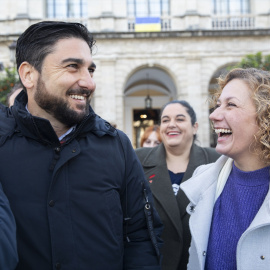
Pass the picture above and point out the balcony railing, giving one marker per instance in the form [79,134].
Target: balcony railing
[233,22]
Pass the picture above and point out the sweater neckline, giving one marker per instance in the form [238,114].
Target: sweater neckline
[252,178]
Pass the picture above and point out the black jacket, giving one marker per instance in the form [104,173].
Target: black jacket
[70,200]
[171,208]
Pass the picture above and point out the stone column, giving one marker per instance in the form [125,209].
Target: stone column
[105,98]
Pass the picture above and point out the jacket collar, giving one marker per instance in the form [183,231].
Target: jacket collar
[40,129]
[196,186]
[156,156]
[196,158]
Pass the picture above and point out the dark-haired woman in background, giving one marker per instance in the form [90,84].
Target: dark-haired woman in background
[166,166]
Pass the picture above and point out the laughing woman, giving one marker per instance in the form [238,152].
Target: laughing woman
[230,199]
[165,166]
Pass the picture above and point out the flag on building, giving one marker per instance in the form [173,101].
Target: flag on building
[147,24]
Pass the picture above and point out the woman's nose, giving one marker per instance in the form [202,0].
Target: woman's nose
[172,123]
[216,114]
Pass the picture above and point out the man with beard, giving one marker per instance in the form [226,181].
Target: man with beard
[75,186]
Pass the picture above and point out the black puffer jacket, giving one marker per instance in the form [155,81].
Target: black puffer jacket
[69,200]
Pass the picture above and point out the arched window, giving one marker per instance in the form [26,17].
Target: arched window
[66,8]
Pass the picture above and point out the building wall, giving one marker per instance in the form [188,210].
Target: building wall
[190,53]
[190,61]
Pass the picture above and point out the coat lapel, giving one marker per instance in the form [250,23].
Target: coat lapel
[157,174]
[196,159]
[201,191]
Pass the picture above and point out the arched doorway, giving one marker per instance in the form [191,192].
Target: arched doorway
[146,84]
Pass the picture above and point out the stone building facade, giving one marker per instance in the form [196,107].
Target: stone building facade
[196,42]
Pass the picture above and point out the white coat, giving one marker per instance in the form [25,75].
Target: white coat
[253,248]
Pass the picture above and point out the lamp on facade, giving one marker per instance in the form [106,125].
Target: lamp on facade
[148,100]
[12,49]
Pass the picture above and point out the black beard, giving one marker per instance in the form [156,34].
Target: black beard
[59,107]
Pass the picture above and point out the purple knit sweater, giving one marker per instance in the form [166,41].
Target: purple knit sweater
[234,211]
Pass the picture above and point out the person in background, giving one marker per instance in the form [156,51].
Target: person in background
[16,89]
[76,206]
[165,167]
[230,199]
[151,137]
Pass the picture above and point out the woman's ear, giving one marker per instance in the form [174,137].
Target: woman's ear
[195,128]
[26,73]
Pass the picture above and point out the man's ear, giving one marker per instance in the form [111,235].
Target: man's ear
[27,75]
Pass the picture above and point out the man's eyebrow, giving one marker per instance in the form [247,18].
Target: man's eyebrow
[76,60]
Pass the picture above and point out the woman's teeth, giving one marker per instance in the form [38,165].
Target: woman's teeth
[222,130]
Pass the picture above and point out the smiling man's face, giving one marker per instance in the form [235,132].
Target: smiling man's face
[63,88]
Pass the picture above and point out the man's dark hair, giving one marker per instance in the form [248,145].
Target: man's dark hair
[39,39]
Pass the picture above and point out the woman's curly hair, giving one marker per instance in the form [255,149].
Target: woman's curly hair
[258,82]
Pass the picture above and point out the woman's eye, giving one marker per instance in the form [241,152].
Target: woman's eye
[231,104]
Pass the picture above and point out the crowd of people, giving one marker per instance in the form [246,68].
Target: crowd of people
[67,202]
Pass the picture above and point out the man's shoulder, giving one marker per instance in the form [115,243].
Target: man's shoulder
[7,121]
